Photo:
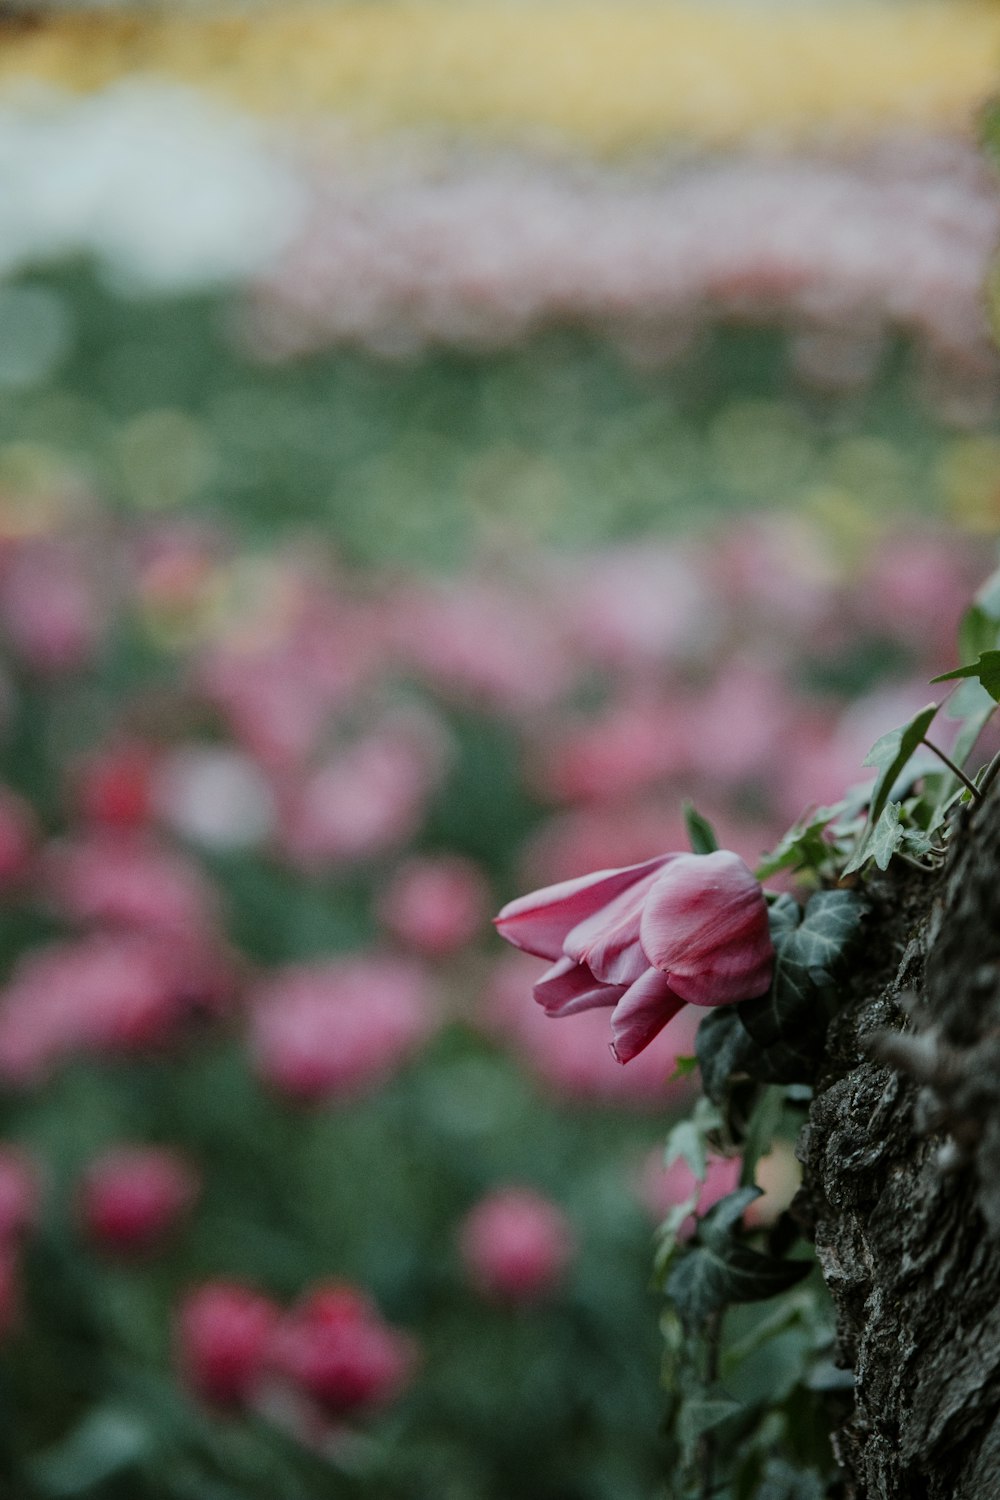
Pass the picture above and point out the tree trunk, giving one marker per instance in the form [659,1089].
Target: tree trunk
[902,1180]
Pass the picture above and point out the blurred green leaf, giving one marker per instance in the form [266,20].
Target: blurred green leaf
[109,1441]
[698,1415]
[700,832]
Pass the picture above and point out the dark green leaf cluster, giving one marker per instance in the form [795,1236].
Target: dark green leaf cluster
[721,1268]
[778,1038]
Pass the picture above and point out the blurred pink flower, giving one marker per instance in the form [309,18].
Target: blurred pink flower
[645,940]
[337,1030]
[629,745]
[336,1347]
[279,679]
[515,1245]
[633,608]
[435,904]
[126,878]
[106,993]
[628,832]
[112,786]
[916,589]
[737,727]
[18,835]
[223,1332]
[132,1197]
[482,643]
[368,798]
[52,604]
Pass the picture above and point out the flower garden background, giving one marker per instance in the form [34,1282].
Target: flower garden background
[435,442]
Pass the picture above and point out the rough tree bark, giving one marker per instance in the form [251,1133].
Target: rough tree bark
[902,1180]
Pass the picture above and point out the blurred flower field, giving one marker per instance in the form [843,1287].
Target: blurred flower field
[400,509]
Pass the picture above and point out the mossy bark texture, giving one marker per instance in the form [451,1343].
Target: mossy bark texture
[902,1180]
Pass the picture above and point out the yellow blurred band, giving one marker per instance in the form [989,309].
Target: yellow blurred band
[612,75]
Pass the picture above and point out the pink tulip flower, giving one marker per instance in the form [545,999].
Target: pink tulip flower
[223,1334]
[515,1245]
[646,939]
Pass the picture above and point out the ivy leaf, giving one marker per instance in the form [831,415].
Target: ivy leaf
[689,1138]
[783,915]
[720,1269]
[726,1050]
[986,669]
[698,1415]
[701,834]
[890,755]
[803,846]
[886,836]
[789,1022]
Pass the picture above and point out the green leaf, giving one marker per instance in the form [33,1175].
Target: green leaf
[683,1068]
[803,846]
[980,626]
[720,1269]
[698,1415]
[890,754]
[986,669]
[783,916]
[689,1138]
[789,1022]
[700,832]
[726,1050]
[108,1441]
[886,836]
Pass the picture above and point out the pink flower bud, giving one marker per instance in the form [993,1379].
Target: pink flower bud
[223,1334]
[515,1245]
[645,939]
[435,905]
[132,1197]
[338,1349]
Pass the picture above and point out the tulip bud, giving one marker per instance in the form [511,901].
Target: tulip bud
[132,1197]
[223,1332]
[515,1246]
[645,939]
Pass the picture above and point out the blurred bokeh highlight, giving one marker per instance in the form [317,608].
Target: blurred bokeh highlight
[435,441]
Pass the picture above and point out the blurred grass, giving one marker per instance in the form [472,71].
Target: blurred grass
[430,462]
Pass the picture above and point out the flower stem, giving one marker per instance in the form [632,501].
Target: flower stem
[989,775]
[955,770]
[713,1340]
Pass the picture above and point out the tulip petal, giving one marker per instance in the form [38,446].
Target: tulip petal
[704,924]
[608,940]
[642,1013]
[569,987]
[539,922]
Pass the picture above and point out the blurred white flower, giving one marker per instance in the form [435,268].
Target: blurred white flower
[166,189]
